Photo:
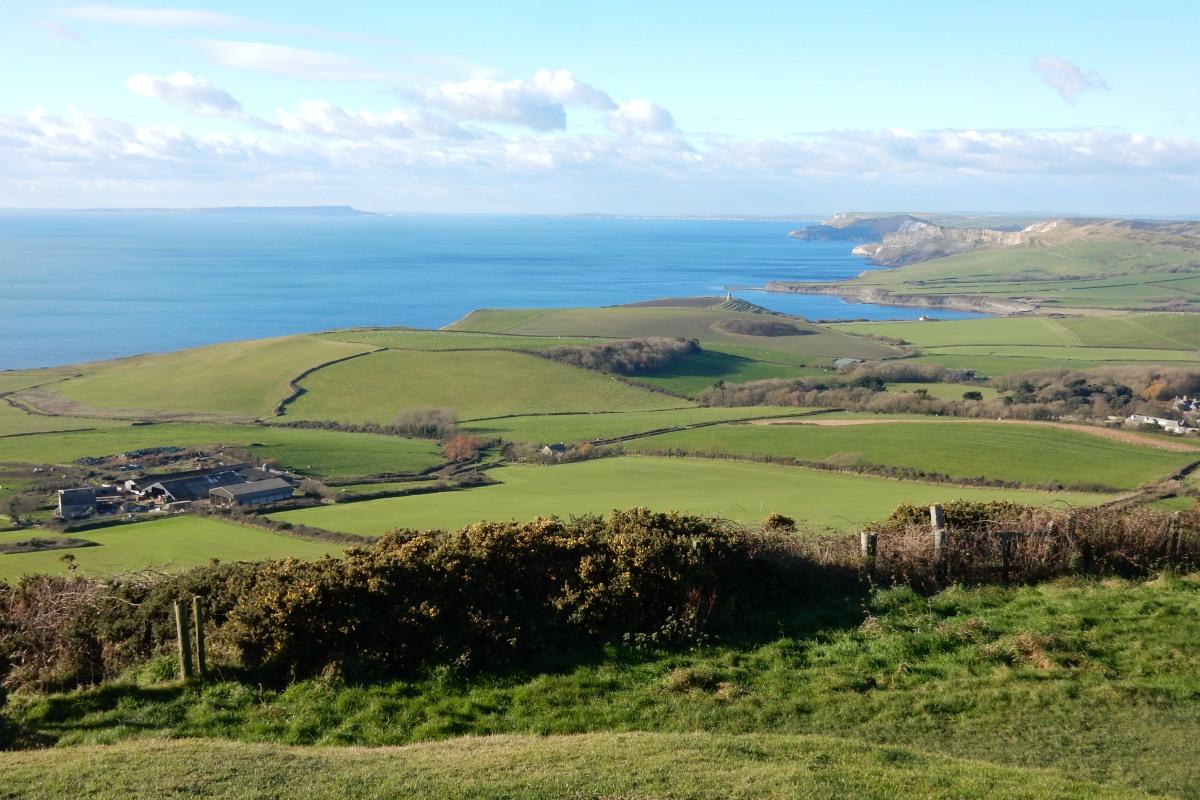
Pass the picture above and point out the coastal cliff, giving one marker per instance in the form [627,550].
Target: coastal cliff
[917,240]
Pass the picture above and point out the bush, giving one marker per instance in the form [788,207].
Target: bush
[425,423]
[625,357]
[762,327]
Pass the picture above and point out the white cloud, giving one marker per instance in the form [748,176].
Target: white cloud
[640,115]
[539,103]
[152,17]
[290,62]
[183,89]
[1066,78]
[320,118]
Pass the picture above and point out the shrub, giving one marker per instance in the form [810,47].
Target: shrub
[761,327]
[425,423]
[625,357]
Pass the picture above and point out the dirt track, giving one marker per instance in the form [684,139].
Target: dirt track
[1115,434]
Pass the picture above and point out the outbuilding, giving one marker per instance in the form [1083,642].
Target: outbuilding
[254,493]
[76,503]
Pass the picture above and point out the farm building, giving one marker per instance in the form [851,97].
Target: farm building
[253,493]
[76,503]
[193,487]
[556,450]
[1168,425]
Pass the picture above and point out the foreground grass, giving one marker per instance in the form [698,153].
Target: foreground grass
[699,766]
[964,450]
[168,544]
[1092,680]
[740,491]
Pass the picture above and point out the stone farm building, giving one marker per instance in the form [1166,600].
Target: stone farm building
[253,493]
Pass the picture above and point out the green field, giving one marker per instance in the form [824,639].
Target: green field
[695,373]
[413,339]
[473,383]
[617,765]
[317,452]
[739,491]
[819,343]
[1106,269]
[587,427]
[242,380]
[167,544]
[1029,454]
[14,421]
[943,391]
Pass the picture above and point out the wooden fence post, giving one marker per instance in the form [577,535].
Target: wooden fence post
[185,645]
[937,522]
[867,542]
[1006,542]
[198,617]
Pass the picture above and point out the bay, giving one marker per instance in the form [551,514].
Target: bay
[85,285]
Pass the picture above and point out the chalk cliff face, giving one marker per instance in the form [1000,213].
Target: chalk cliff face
[918,240]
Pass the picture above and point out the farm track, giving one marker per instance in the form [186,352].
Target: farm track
[1128,437]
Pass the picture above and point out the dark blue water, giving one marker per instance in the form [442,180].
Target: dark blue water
[78,286]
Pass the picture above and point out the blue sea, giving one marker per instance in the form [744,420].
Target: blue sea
[78,286]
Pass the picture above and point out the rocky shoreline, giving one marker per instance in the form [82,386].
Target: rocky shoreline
[953,302]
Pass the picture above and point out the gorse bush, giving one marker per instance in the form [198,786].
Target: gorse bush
[495,593]
[494,596]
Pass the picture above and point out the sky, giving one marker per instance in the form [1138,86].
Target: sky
[651,107]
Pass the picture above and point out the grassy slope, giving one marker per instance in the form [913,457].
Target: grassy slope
[475,384]
[822,343]
[14,421]
[328,453]
[943,391]
[242,379]
[586,427]
[1109,270]
[410,339]
[171,544]
[1094,681]
[1028,454]
[1017,344]
[740,491]
[631,765]
[695,373]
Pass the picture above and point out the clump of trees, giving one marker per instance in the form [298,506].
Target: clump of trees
[627,356]
[426,423]
[761,327]
[578,451]
[462,447]
[1039,395]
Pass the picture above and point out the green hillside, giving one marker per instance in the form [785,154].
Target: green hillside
[1029,454]
[166,545]
[473,383]
[242,380]
[739,491]
[703,324]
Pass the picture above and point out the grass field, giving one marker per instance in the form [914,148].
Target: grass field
[14,421]
[943,391]
[167,544]
[318,452]
[1029,454]
[629,765]
[1065,689]
[473,383]
[244,380]
[695,373]
[1109,269]
[587,427]
[411,339]
[739,491]
[692,323]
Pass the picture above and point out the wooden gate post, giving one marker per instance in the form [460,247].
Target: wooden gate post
[184,641]
[1006,543]
[937,521]
[198,617]
[867,542]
